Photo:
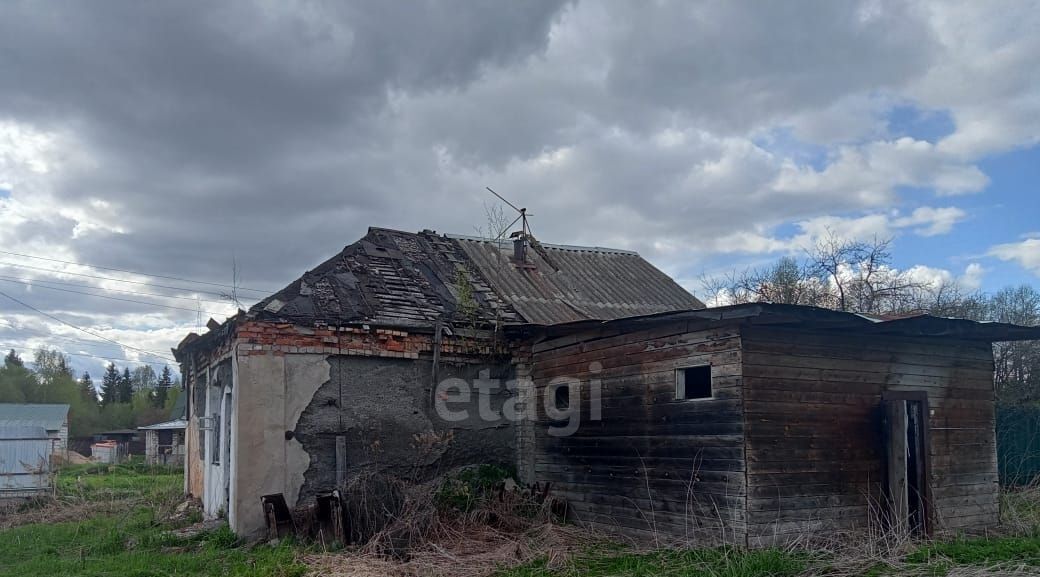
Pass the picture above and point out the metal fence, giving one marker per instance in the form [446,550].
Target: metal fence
[24,461]
[1018,444]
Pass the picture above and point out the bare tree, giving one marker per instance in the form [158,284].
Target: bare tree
[862,275]
[786,282]
[495,223]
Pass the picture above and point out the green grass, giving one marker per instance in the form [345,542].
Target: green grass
[95,482]
[136,542]
[718,562]
[986,552]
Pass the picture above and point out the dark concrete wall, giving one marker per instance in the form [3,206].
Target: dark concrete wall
[385,409]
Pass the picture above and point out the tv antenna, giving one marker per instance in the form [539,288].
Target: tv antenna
[525,227]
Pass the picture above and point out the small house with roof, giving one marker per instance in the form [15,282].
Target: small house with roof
[591,371]
[52,417]
[337,374]
[164,442]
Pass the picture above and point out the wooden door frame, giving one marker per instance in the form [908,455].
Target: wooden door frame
[926,445]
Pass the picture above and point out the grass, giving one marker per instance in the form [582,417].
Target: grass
[95,482]
[984,552]
[108,521]
[132,540]
[717,562]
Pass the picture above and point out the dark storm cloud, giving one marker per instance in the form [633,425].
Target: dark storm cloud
[218,121]
[180,137]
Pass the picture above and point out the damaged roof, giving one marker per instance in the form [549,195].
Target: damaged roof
[402,279]
[572,283]
[390,278]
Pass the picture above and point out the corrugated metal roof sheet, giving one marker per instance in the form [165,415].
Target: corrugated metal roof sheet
[174,424]
[24,460]
[775,314]
[49,416]
[560,284]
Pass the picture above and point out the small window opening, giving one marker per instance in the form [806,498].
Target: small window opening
[214,436]
[563,397]
[693,383]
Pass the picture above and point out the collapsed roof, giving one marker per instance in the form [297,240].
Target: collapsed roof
[410,280]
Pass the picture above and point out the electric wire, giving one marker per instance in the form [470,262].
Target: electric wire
[99,357]
[41,282]
[63,272]
[135,272]
[91,333]
[112,298]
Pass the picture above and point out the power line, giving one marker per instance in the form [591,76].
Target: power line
[103,358]
[93,334]
[135,272]
[60,338]
[41,282]
[110,298]
[60,272]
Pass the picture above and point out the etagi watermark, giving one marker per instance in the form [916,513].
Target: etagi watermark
[562,400]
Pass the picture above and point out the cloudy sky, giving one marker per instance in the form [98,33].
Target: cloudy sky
[176,139]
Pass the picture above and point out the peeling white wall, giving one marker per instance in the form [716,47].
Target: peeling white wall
[263,461]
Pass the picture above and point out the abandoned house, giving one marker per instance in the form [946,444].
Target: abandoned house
[760,424]
[164,442]
[335,375]
[591,370]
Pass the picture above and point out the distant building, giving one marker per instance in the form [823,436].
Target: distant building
[54,418]
[164,442]
[128,442]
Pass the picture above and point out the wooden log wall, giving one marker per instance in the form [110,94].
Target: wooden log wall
[815,460]
[653,466]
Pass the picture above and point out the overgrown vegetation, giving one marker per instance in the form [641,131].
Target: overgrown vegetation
[119,520]
[466,489]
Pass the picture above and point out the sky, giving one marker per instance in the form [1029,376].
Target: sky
[215,141]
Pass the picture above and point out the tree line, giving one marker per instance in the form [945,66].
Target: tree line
[858,276]
[126,399]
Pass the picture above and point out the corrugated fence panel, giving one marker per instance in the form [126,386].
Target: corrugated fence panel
[24,461]
[1018,444]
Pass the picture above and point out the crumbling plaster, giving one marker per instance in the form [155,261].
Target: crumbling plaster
[271,393]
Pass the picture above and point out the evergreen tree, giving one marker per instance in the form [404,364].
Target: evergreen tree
[86,388]
[110,385]
[125,388]
[13,360]
[162,390]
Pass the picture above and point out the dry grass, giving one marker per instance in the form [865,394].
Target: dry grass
[469,552]
[469,529]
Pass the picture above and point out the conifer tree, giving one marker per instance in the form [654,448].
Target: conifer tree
[110,385]
[86,388]
[125,388]
[13,360]
[163,388]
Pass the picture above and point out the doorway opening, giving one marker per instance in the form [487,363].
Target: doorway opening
[908,471]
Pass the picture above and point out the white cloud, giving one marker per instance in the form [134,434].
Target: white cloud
[930,221]
[972,277]
[1025,253]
